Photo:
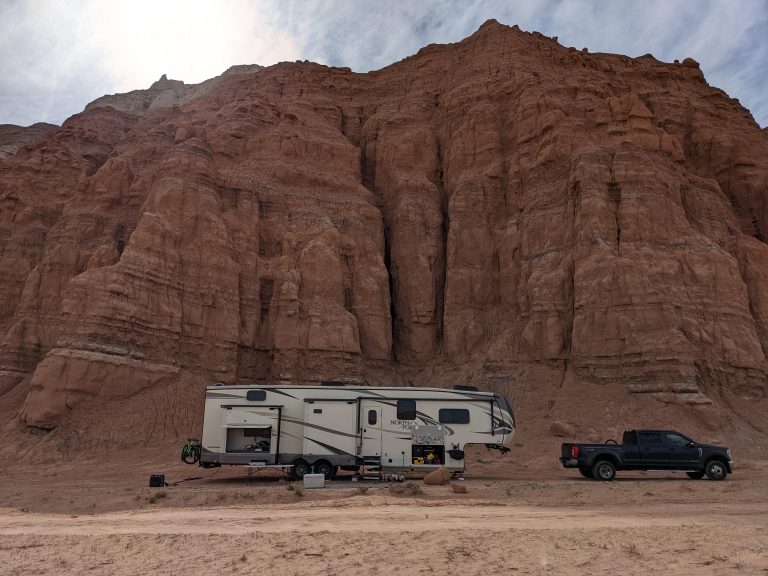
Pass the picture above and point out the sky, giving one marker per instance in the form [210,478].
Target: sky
[58,55]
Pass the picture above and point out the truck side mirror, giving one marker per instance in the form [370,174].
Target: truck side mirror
[690,445]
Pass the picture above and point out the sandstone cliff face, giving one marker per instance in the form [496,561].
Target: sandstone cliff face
[496,203]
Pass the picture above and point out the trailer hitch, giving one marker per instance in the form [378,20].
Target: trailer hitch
[499,447]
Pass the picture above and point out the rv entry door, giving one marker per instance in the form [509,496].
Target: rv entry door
[371,424]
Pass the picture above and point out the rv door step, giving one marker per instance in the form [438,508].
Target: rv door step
[371,467]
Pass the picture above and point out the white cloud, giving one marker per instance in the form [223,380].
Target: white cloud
[56,56]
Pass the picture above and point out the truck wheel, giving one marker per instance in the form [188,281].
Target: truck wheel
[324,468]
[604,470]
[299,469]
[716,470]
[586,472]
[695,475]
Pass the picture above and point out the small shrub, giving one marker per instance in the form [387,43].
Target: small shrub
[243,558]
[289,488]
[362,490]
[413,488]
[396,488]
[157,496]
[299,491]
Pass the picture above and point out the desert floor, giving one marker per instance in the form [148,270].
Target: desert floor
[97,518]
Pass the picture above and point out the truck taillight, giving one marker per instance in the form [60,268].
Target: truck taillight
[574,451]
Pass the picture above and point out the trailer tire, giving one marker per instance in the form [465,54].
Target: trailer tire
[604,470]
[586,472]
[299,469]
[325,468]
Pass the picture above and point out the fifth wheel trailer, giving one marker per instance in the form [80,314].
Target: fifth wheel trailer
[324,428]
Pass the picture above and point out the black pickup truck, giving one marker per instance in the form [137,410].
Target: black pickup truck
[648,450]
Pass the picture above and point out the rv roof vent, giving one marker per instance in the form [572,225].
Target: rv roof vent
[219,384]
[465,387]
[331,383]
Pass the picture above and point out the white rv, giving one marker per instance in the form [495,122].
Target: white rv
[330,427]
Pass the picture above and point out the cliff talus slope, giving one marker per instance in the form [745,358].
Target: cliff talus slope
[466,214]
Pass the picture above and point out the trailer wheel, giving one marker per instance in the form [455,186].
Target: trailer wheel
[324,468]
[604,470]
[299,469]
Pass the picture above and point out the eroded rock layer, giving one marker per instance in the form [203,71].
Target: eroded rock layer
[499,202]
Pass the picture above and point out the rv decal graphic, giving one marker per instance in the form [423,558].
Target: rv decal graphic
[329,447]
[404,424]
[316,427]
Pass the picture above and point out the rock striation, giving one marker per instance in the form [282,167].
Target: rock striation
[500,202]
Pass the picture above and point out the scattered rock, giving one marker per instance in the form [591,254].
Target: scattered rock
[459,488]
[438,477]
[562,430]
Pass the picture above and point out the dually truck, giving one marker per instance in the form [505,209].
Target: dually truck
[649,450]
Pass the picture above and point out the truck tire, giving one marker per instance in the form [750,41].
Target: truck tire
[604,470]
[696,475]
[716,470]
[586,472]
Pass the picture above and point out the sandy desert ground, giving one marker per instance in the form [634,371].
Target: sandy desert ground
[101,518]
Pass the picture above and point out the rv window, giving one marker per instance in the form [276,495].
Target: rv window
[453,416]
[372,417]
[256,395]
[406,409]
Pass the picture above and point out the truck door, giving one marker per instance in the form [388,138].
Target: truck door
[653,450]
[370,422]
[631,450]
[681,452]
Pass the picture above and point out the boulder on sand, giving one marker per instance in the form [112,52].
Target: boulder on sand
[439,477]
[459,488]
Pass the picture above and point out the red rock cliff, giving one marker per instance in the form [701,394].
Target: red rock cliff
[500,202]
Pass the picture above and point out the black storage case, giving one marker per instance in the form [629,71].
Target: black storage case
[157,480]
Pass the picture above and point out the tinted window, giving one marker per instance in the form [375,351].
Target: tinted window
[406,409]
[453,416]
[256,395]
[677,440]
[372,419]
[650,438]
